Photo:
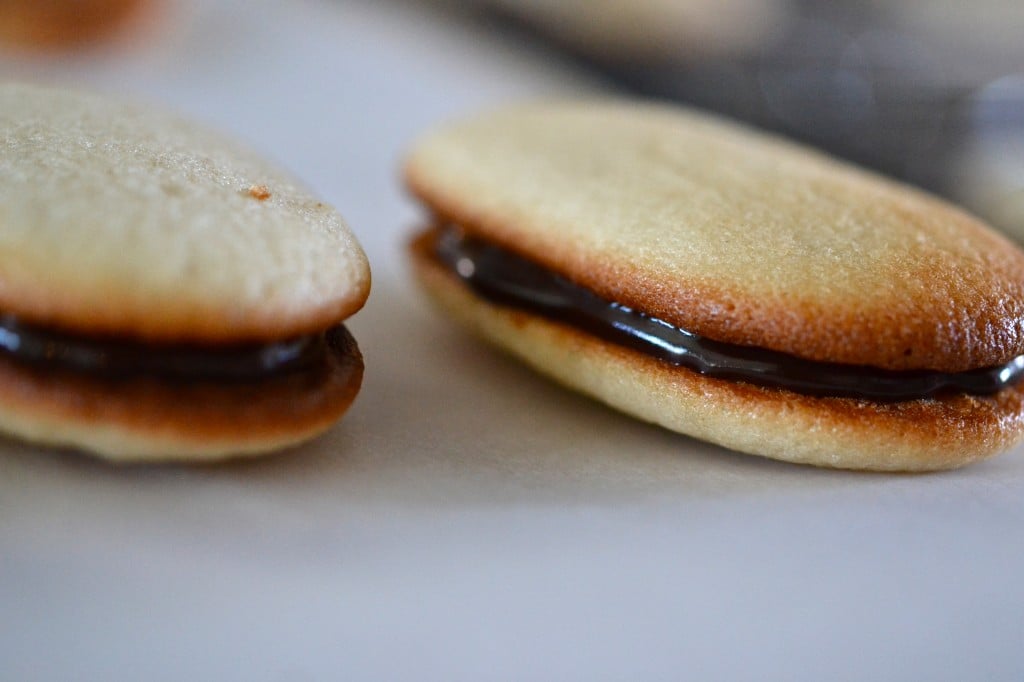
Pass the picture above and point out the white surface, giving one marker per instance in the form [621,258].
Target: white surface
[467,520]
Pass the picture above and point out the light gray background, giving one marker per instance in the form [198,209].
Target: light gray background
[468,520]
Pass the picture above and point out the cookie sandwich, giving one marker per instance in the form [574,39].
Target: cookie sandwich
[726,284]
[165,294]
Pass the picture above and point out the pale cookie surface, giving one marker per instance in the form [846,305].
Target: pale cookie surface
[731,234]
[116,219]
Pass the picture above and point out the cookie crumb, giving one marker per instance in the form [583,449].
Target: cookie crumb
[259,192]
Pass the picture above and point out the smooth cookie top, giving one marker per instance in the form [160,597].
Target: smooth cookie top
[116,219]
[731,234]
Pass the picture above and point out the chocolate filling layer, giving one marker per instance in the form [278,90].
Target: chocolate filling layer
[503,277]
[117,359]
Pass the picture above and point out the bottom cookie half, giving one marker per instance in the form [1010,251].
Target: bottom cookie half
[916,435]
[149,419]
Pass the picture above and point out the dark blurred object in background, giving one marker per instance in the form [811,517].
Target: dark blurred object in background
[928,91]
[652,32]
[62,24]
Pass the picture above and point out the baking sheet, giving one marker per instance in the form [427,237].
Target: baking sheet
[467,520]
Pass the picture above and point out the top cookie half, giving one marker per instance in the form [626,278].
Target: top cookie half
[731,234]
[119,220]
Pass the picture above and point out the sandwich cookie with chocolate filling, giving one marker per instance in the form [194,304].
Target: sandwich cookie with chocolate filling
[727,284]
[164,293]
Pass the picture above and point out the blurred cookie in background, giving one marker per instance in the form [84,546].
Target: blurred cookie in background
[929,92]
[989,168]
[970,41]
[652,31]
[63,24]
[977,54]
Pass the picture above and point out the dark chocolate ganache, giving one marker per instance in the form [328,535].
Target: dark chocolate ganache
[39,346]
[506,278]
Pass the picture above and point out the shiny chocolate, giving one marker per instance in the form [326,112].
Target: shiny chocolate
[508,279]
[118,358]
